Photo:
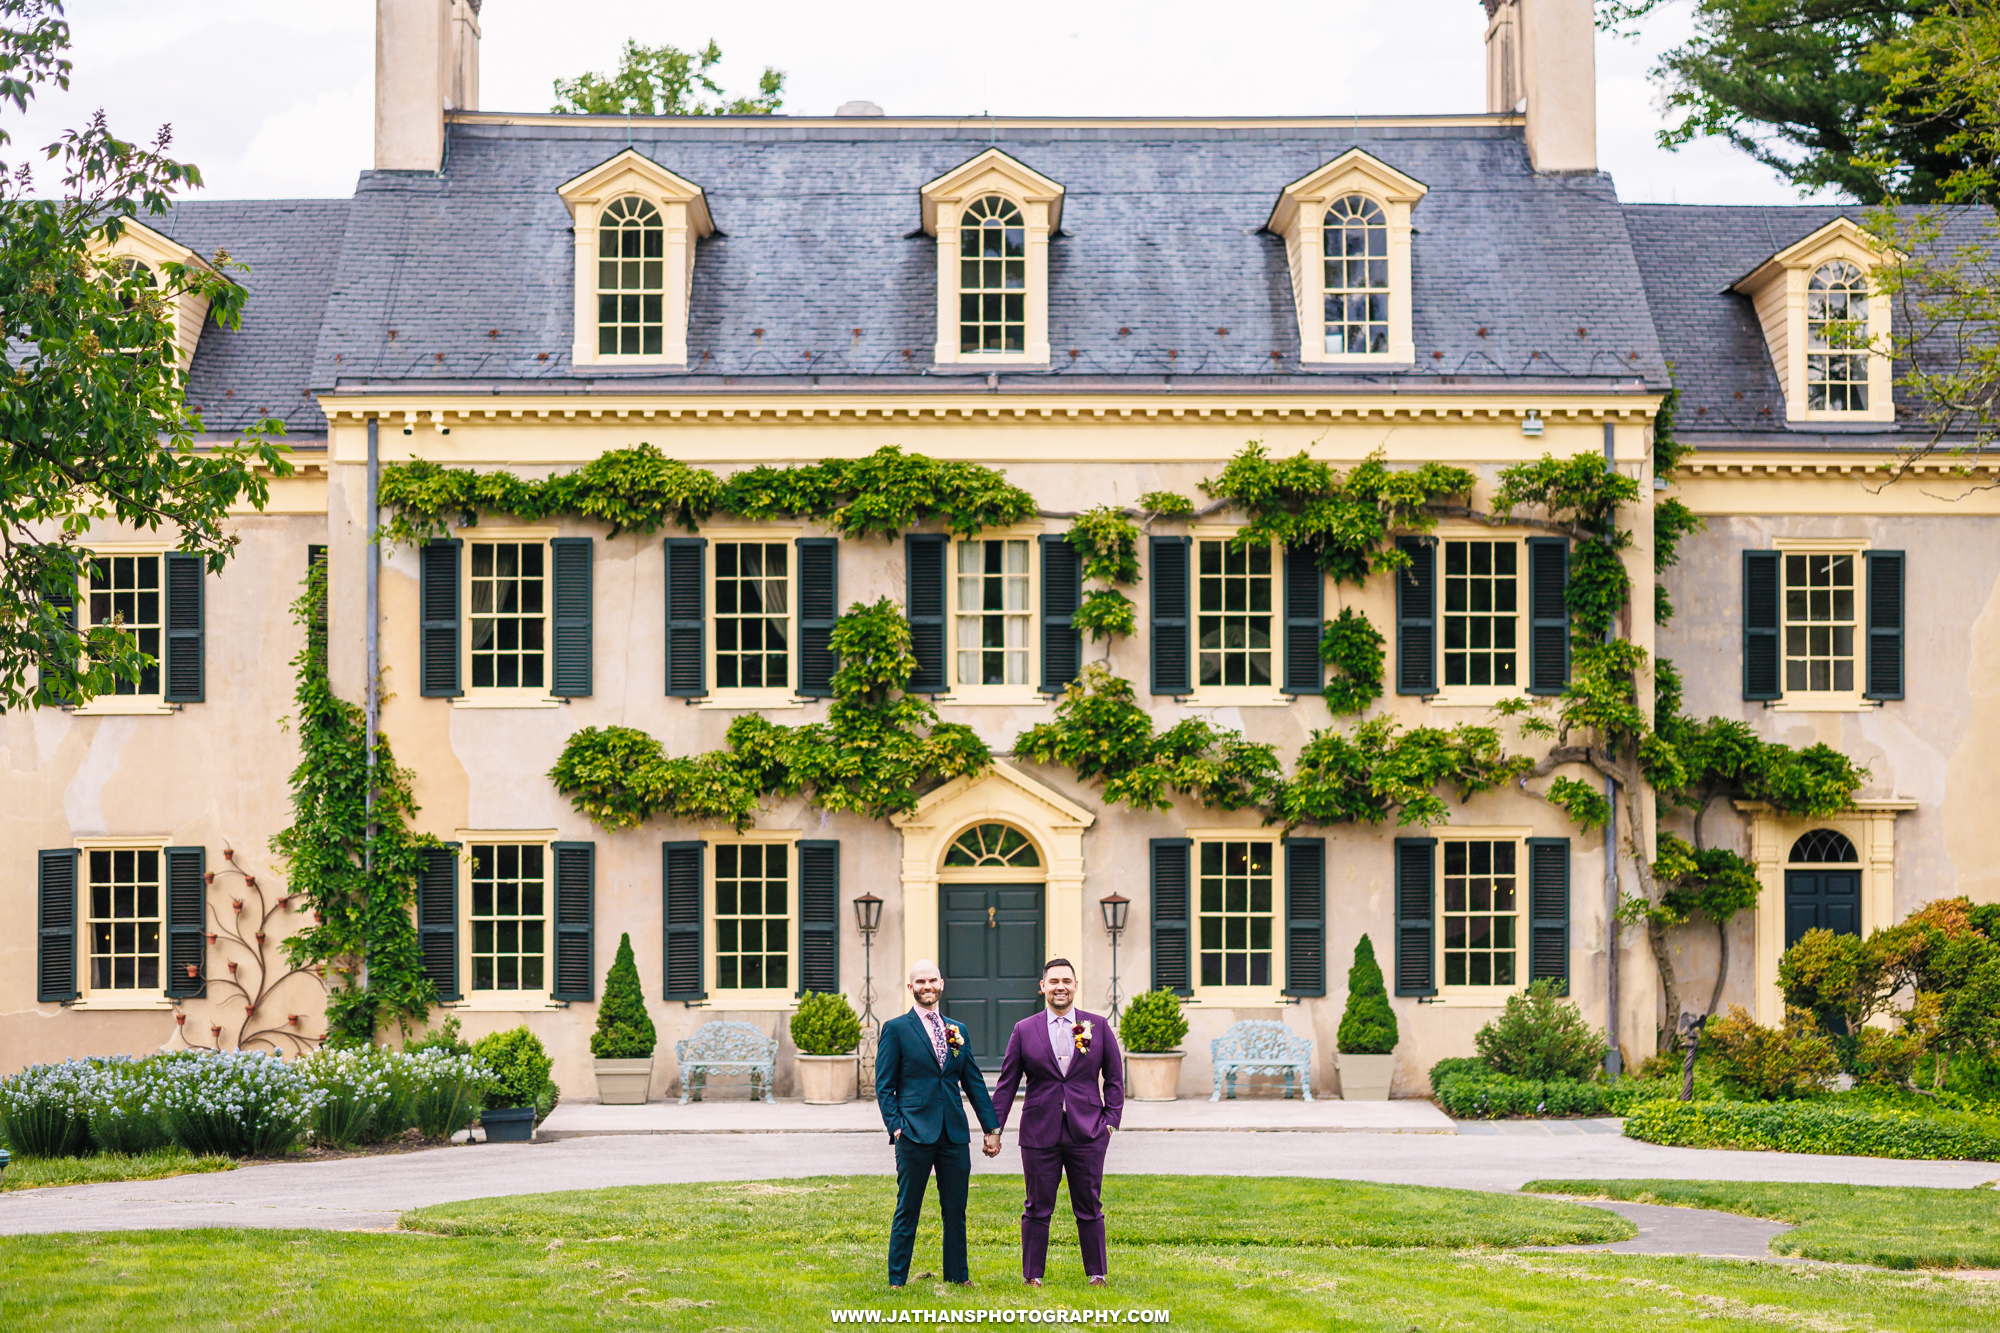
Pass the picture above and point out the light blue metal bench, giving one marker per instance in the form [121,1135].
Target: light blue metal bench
[726,1048]
[1261,1046]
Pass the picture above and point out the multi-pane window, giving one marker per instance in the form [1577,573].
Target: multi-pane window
[1356,240]
[125,591]
[993,612]
[1233,601]
[1236,879]
[753,615]
[1837,339]
[124,920]
[509,916]
[509,637]
[753,921]
[1481,606]
[992,277]
[1819,622]
[631,279]
[1479,912]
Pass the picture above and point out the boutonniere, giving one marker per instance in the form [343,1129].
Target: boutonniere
[954,1037]
[1083,1036]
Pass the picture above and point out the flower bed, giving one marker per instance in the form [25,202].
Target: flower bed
[1817,1126]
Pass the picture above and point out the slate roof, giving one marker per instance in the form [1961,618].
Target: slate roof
[261,369]
[1162,267]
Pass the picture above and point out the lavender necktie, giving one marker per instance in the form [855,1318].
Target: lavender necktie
[937,1037]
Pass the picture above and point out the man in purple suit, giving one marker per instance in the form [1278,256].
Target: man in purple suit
[1076,1097]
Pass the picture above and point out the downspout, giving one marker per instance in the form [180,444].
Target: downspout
[1614,1060]
[370,695]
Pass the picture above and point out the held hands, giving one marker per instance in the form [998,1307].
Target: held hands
[992,1148]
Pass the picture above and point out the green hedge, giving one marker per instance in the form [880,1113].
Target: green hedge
[1816,1127]
[1468,1090]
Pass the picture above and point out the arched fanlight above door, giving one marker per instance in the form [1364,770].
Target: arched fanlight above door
[992,845]
[1824,846]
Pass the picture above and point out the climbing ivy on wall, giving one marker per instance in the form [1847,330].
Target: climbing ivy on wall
[356,880]
[1107,549]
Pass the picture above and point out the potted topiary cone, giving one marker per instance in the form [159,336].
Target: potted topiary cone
[826,1032]
[1366,1046]
[624,1040]
[1151,1029]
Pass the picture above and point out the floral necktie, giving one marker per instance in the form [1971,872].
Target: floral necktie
[937,1037]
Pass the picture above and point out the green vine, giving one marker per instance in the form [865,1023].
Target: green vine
[1382,769]
[641,490]
[358,881]
[875,753]
[1107,547]
[1354,650]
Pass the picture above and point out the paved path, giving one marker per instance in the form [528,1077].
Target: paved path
[369,1192]
[736,1116]
[1667,1230]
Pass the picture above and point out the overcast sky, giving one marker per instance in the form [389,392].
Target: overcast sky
[273,99]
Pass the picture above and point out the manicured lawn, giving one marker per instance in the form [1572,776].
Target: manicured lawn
[784,1254]
[1849,1224]
[26,1173]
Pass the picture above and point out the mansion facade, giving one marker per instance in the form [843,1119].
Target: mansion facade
[1101,310]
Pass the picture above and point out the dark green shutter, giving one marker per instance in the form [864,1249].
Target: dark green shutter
[1885,625]
[55,912]
[819,608]
[923,605]
[1416,617]
[1170,904]
[1062,593]
[64,601]
[1416,928]
[687,630]
[438,572]
[819,916]
[1761,614]
[437,918]
[1548,910]
[576,908]
[1548,615]
[187,921]
[181,675]
[1167,582]
[570,612]
[680,894]
[1305,916]
[1305,590]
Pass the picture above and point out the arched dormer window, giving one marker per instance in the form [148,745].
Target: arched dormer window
[992,277]
[1355,247]
[1837,339]
[631,279]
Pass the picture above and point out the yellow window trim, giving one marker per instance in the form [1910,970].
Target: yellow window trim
[1777,291]
[684,213]
[1040,201]
[1297,218]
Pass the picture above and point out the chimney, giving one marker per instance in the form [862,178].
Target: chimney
[426,62]
[1541,59]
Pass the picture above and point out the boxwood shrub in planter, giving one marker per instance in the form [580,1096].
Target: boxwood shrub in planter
[520,1094]
[1365,1049]
[1151,1030]
[623,1044]
[826,1031]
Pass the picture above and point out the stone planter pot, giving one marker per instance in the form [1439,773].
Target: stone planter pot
[1153,1077]
[508,1124]
[826,1080]
[1365,1078]
[623,1082]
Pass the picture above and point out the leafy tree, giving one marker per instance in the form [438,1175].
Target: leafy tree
[666,81]
[1794,84]
[93,406]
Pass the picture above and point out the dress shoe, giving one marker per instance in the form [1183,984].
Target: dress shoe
[1097,1281]
[1031,1282]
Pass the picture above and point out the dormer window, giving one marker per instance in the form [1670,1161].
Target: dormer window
[631,279]
[992,277]
[636,230]
[1346,229]
[140,255]
[1826,326]
[1355,244]
[993,217]
[1837,339]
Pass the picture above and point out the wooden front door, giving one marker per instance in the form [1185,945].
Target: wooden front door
[1822,900]
[990,952]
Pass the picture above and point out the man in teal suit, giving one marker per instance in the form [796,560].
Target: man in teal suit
[922,1062]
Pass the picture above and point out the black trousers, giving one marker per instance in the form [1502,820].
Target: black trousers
[914,1164]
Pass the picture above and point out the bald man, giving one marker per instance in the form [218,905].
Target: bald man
[923,1060]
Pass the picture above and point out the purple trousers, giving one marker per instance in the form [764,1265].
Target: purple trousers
[1044,1168]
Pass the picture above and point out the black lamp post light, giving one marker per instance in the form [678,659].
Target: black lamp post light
[868,919]
[1115,906]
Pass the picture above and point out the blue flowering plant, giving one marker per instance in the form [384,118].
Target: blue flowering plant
[45,1109]
[239,1104]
